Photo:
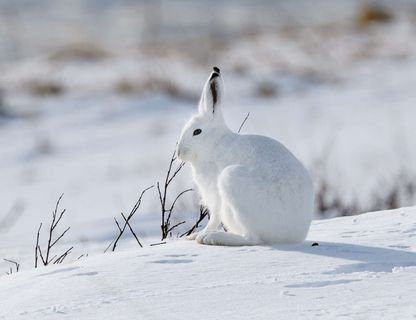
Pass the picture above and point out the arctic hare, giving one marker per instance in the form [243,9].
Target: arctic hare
[251,184]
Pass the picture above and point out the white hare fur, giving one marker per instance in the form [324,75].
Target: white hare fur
[251,184]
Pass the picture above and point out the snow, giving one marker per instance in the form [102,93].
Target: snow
[363,268]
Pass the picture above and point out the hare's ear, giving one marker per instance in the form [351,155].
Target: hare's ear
[212,95]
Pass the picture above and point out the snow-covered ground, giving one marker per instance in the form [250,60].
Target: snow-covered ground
[363,268]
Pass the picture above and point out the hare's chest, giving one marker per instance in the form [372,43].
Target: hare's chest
[207,186]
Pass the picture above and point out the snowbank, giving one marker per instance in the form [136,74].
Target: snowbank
[363,268]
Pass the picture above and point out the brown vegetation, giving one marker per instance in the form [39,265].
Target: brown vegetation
[371,14]
[45,88]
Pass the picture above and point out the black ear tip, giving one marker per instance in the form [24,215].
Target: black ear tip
[216,69]
[214,75]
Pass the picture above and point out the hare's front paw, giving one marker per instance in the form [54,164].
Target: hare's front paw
[208,237]
[192,236]
[202,235]
[221,238]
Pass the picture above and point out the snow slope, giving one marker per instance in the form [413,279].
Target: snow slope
[363,268]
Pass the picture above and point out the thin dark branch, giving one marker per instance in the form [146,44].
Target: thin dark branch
[138,203]
[172,160]
[63,233]
[176,199]
[57,203]
[178,224]
[108,247]
[179,168]
[158,244]
[62,257]
[55,211]
[37,246]
[131,230]
[166,214]
[52,227]
[160,196]
[51,243]
[244,121]
[118,237]
[17,265]
[41,256]
[165,221]
[118,226]
[162,207]
[203,212]
[127,222]
[59,218]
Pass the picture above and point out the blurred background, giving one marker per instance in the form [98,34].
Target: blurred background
[94,94]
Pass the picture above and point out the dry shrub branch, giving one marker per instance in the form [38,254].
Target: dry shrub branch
[52,241]
[203,212]
[126,223]
[166,211]
[16,265]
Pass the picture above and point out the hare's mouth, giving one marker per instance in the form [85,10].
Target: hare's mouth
[182,153]
[179,153]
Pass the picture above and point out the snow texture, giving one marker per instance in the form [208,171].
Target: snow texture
[363,268]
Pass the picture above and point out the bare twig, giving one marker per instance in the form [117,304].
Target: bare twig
[16,264]
[127,223]
[244,121]
[179,168]
[108,247]
[56,218]
[61,258]
[203,212]
[174,202]
[37,246]
[157,244]
[174,226]
[41,256]
[118,226]
[53,225]
[131,230]
[59,238]
[166,214]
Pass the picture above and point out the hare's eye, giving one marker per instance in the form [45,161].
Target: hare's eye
[197,131]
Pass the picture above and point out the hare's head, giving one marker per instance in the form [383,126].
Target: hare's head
[204,128]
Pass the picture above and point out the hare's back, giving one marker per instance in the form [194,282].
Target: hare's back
[267,155]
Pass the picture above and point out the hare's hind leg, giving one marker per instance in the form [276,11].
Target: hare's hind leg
[241,210]
[236,224]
